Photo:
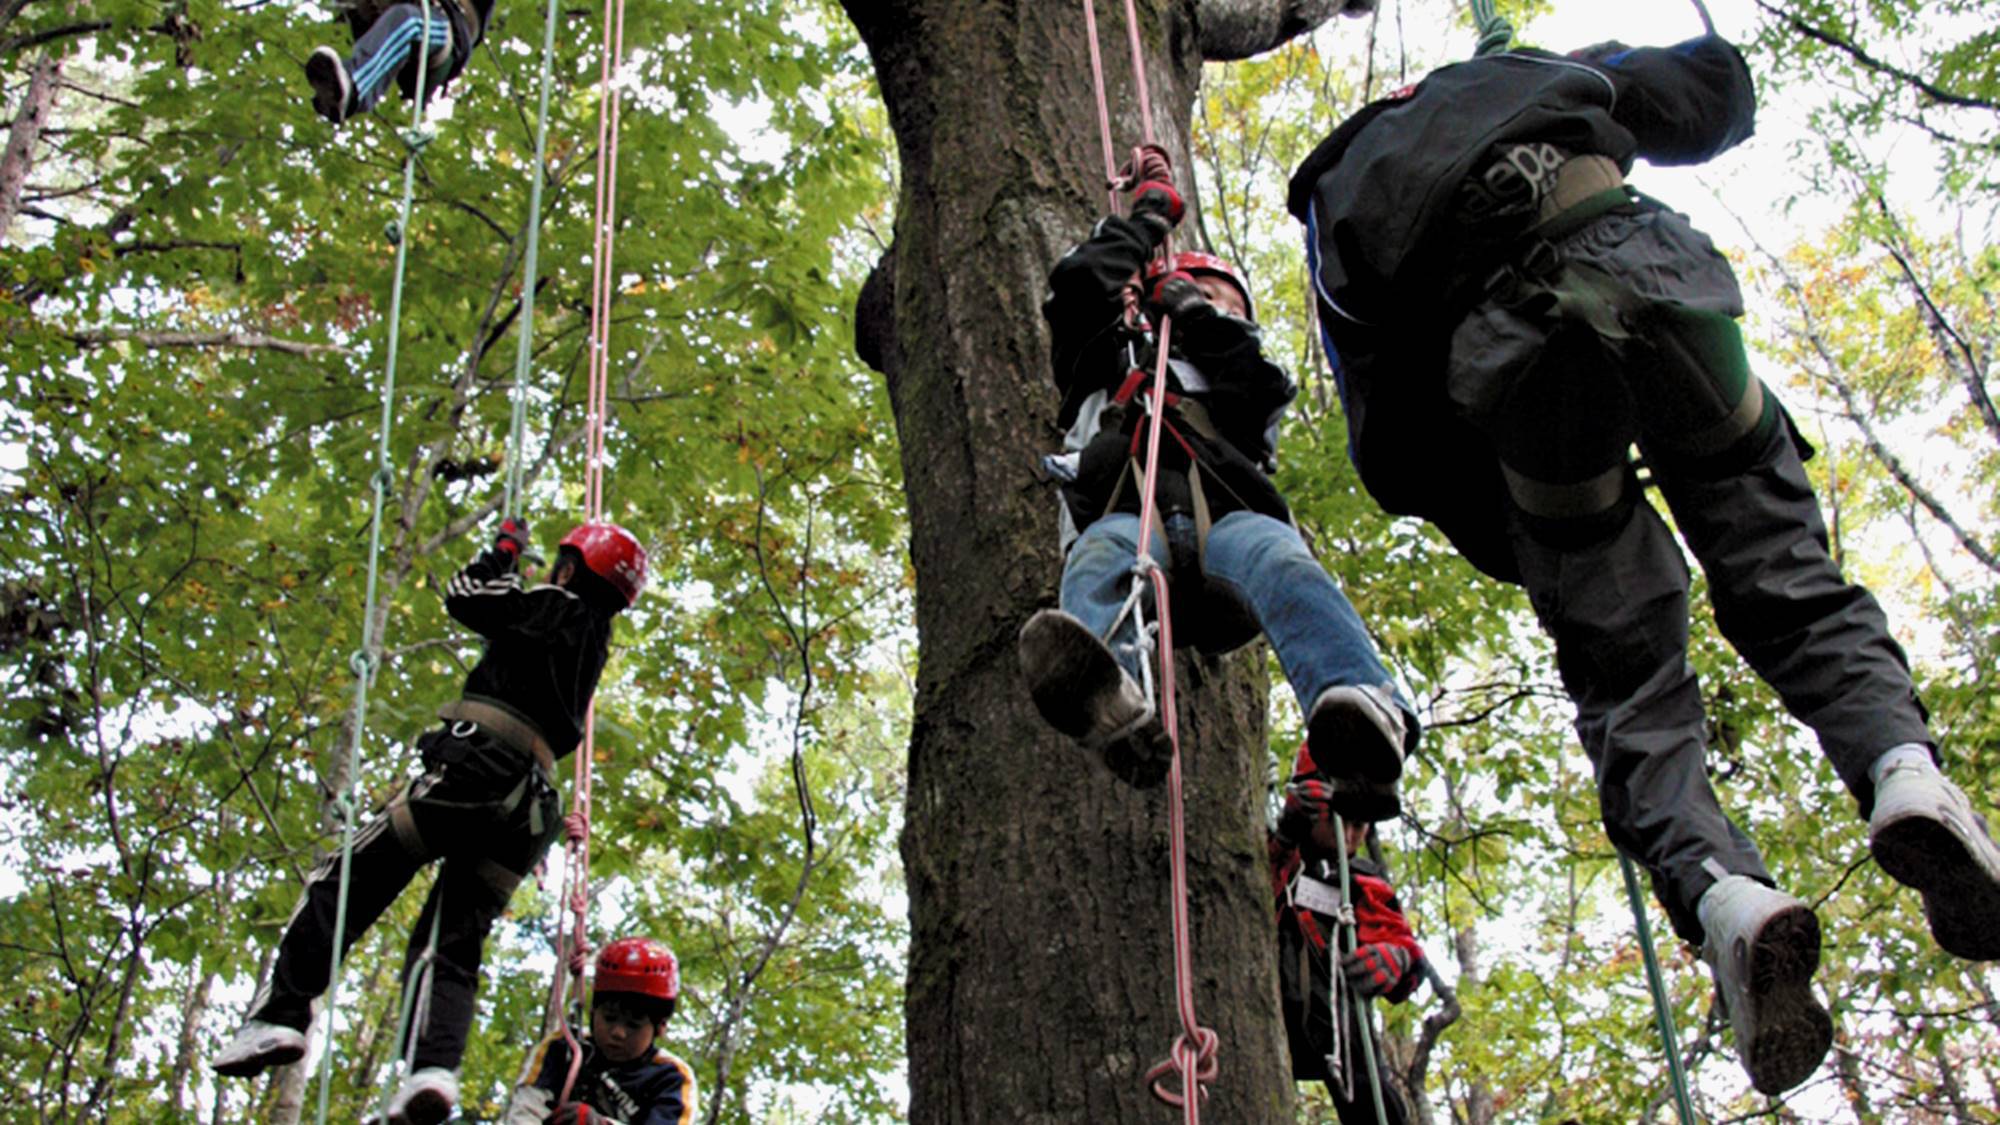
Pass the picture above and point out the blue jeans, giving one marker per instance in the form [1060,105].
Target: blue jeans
[1263,563]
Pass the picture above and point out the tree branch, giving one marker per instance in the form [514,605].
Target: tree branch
[230,339]
[1870,62]
[1237,29]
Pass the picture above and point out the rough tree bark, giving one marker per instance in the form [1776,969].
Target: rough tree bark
[19,156]
[1040,973]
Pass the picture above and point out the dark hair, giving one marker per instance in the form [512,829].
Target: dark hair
[586,584]
[652,1007]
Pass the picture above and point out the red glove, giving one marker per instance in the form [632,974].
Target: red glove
[574,1113]
[1158,208]
[513,537]
[1375,968]
[1308,803]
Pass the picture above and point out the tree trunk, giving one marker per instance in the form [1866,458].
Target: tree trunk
[1040,973]
[29,121]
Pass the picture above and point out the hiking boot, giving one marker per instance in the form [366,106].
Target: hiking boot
[426,1097]
[1356,735]
[333,87]
[1763,946]
[256,1047]
[1924,833]
[1081,691]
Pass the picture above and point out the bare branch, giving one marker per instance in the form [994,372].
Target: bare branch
[1237,29]
[97,338]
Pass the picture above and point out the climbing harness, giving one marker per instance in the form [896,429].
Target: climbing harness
[365,660]
[1192,1056]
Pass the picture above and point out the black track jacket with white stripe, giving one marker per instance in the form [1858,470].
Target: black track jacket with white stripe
[545,647]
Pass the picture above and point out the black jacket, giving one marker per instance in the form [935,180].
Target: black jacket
[1394,267]
[654,1089]
[1220,364]
[545,647]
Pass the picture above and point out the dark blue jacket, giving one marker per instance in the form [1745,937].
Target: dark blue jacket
[1394,267]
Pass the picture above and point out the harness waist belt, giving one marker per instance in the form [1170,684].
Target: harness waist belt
[504,724]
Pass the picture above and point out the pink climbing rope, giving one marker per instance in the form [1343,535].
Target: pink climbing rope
[576,825]
[1193,1055]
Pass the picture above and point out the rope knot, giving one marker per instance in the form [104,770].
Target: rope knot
[576,826]
[1194,1064]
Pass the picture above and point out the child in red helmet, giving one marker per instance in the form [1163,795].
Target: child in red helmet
[1238,565]
[625,1078]
[1386,962]
[485,806]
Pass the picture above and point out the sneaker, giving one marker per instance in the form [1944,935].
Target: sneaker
[1763,946]
[1081,691]
[1924,833]
[1356,735]
[333,87]
[426,1097]
[256,1047]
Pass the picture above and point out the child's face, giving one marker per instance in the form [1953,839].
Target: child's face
[622,1031]
[1222,295]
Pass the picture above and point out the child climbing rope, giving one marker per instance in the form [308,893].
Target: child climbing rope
[1386,962]
[1506,318]
[1238,563]
[626,1077]
[485,805]
[386,40]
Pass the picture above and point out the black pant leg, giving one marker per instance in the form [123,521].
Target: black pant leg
[381,868]
[495,819]
[1617,609]
[1820,640]
[386,52]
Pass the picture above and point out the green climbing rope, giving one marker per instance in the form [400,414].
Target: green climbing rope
[524,343]
[1364,1019]
[365,659]
[1669,1038]
[1495,33]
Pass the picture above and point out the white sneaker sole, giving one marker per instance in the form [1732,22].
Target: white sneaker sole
[1791,1032]
[1926,848]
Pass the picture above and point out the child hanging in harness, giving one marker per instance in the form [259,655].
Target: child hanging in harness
[386,42]
[485,807]
[626,1077]
[1238,564]
[1506,319]
[1386,962]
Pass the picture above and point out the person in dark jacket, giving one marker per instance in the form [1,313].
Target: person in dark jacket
[485,807]
[1507,318]
[626,1077]
[386,41]
[1225,533]
[1387,962]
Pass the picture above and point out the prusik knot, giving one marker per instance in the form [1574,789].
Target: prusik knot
[1187,1059]
[576,826]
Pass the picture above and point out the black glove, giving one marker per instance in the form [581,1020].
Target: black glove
[1308,803]
[1176,295]
[1157,209]
[1357,7]
[513,537]
[575,1113]
[1375,968]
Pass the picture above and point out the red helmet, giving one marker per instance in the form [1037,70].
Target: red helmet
[639,966]
[1196,262]
[611,553]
